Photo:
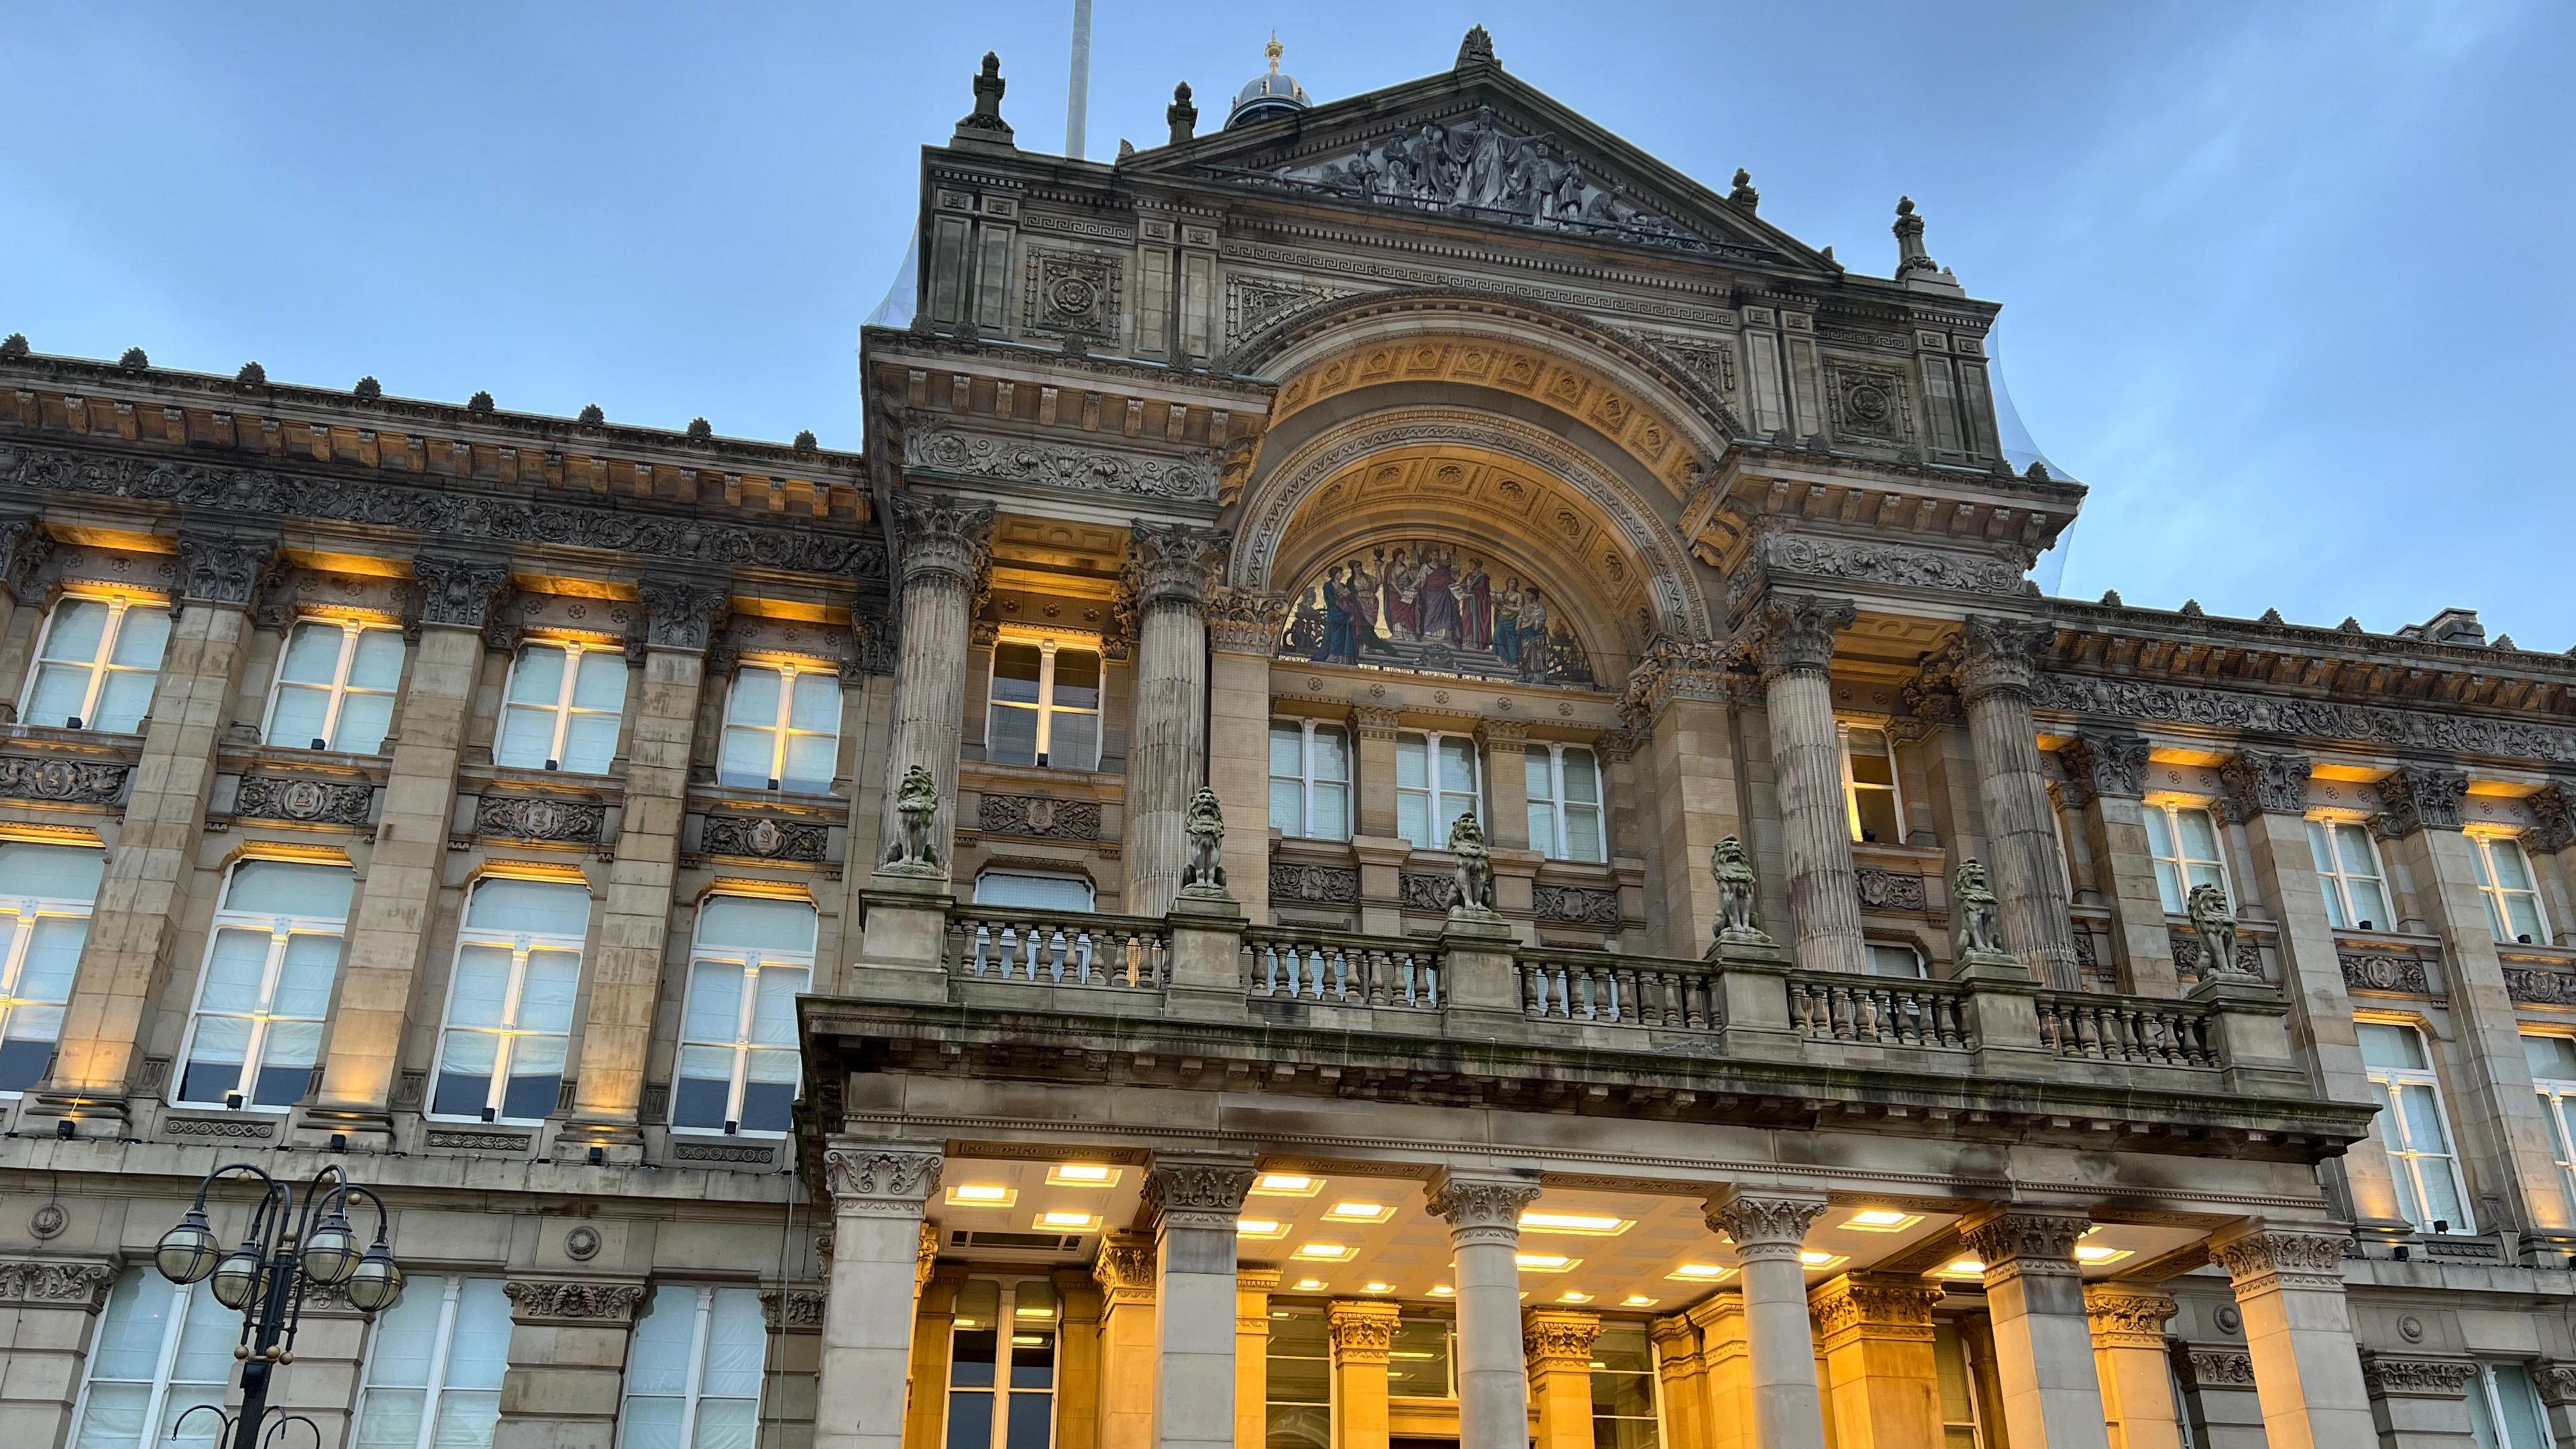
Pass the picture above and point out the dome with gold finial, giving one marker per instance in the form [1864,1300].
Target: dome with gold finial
[1269,94]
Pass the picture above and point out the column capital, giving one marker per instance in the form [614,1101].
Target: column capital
[1488,1207]
[2390,1377]
[55,1282]
[2104,762]
[1172,563]
[2554,806]
[1559,1338]
[1125,1269]
[1795,632]
[1764,1225]
[1186,1194]
[1363,1332]
[25,547]
[455,592]
[1243,622]
[2557,1383]
[220,567]
[2420,797]
[2259,782]
[942,536]
[2013,1241]
[577,1303]
[1376,721]
[1674,1333]
[1998,654]
[681,613]
[881,1182]
[2128,1315]
[1874,1305]
[792,1310]
[2258,1258]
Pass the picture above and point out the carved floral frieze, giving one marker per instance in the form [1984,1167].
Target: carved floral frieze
[758,837]
[1576,905]
[1039,816]
[303,800]
[1189,478]
[1299,883]
[60,781]
[553,819]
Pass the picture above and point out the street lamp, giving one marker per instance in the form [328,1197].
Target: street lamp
[265,1278]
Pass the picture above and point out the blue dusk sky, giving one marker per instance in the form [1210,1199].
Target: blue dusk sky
[2289,285]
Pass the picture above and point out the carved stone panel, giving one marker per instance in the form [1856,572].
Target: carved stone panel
[548,818]
[1577,905]
[1297,883]
[1889,890]
[2374,971]
[1190,477]
[761,838]
[1424,892]
[61,781]
[304,801]
[1869,402]
[2537,985]
[1072,294]
[1040,816]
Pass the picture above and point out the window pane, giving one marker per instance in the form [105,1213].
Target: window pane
[1015,673]
[2442,1196]
[816,704]
[736,1339]
[123,701]
[58,695]
[141,639]
[1077,679]
[2370,905]
[1288,806]
[1032,892]
[601,682]
[2399,1047]
[466,1420]
[746,756]
[312,654]
[811,760]
[715,1003]
[1287,751]
[1418,1359]
[1073,742]
[287,888]
[406,1335]
[377,664]
[2168,883]
[2320,849]
[2522,914]
[657,1357]
[2199,834]
[537,907]
[1011,735]
[1538,780]
[52,872]
[546,993]
[1031,1416]
[1542,827]
[1413,817]
[77,627]
[2510,871]
[536,1078]
[363,721]
[773,1009]
[1870,762]
[390,1418]
[2425,1131]
[1582,778]
[590,743]
[2522,1422]
[2552,1058]
[700,1096]
[755,697]
[1332,813]
[2352,846]
[727,1423]
[1458,766]
[1332,754]
[1583,834]
[129,1343]
[235,969]
[651,1423]
[757,923]
[527,734]
[970,1420]
[298,718]
[304,977]
[1877,809]
[537,678]
[1412,756]
[482,987]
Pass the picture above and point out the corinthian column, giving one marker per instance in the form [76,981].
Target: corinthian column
[1779,1336]
[2043,1334]
[1170,569]
[2298,1331]
[1484,1217]
[877,1196]
[1195,1206]
[947,554]
[1795,644]
[1999,658]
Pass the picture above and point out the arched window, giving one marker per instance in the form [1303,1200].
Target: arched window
[753,956]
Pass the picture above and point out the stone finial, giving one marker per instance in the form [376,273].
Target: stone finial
[1183,115]
[984,126]
[481,402]
[1911,258]
[592,415]
[134,360]
[14,346]
[2112,598]
[805,444]
[700,430]
[2037,472]
[2350,625]
[1476,49]
[1126,149]
[1737,919]
[1744,195]
[368,389]
[1204,826]
[2272,616]
[251,375]
[916,805]
[2191,609]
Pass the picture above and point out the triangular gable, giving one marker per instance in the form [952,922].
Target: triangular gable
[1481,146]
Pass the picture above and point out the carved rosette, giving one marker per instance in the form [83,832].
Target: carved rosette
[2262,1260]
[2420,797]
[2034,1243]
[1172,563]
[457,593]
[2126,1316]
[224,568]
[25,548]
[943,538]
[2261,783]
[2001,654]
[1125,1270]
[2415,1378]
[1888,1306]
[584,1303]
[1482,1212]
[2554,806]
[54,1284]
[680,614]
[1363,1333]
[792,1309]
[1556,1340]
[1795,633]
[2104,764]
[1765,1227]
[1243,622]
[1196,1194]
[878,1182]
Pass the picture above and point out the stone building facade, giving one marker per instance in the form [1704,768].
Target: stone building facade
[1876,1005]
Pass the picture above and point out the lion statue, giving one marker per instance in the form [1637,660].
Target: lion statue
[1737,920]
[2214,926]
[1475,867]
[1972,905]
[1205,827]
[916,805]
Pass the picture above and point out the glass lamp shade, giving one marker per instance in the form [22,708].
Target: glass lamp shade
[331,1253]
[376,1282]
[187,1252]
[237,1277]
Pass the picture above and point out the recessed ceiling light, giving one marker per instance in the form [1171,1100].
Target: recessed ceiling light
[1260,1228]
[1442,1290]
[1962,1268]
[1814,1258]
[1570,1296]
[1081,1174]
[1287,1184]
[2095,1255]
[1310,1285]
[1328,1252]
[1638,1300]
[1882,1220]
[1544,1262]
[1593,1224]
[982,1194]
[1069,1222]
[1377,1287]
[1698,1273]
[1359,1212]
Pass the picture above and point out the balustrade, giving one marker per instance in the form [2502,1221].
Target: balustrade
[1596,986]
[2126,1029]
[1346,970]
[1838,1007]
[1050,949]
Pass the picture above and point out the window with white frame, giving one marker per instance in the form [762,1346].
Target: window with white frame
[693,1370]
[1310,779]
[1001,1365]
[159,1351]
[2183,838]
[1893,959]
[2413,1128]
[96,664]
[1044,708]
[1565,803]
[782,728]
[562,708]
[46,892]
[1954,1371]
[509,1000]
[2504,1409]
[335,688]
[434,1365]
[2347,862]
[1438,777]
[274,955]
[1623,1389]
[753,956]
[1871,795]
[1033,891]
[2553,1074]
[2504,878]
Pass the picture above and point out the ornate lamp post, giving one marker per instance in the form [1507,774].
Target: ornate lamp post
[265,1278]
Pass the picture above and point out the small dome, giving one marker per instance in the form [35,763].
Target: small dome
[1269,94]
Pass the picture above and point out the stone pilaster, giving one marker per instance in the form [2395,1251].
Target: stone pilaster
[1998,660]
[1170,571]
[1726,1385]
[680,618]
[1077,1412]
[2492,1102]
[1195,1205]
[1252,1290]
[2106,775]
[25,547]
[1363,1335]
[1874,1333]
[877,1198]
[567,1373]
[2043,1340]
[1374,729]
[390,920]
[1795,644]
[134,931]
[2418,1402]
[1243,632]
[1125,1273]
[1484,1215]
[48,1315]
[934,1319]
[1557,1345]
[1683,1376]
[794,1317]
[2557,1385]
[946,555]
[1783,1409]
[1690,800]
[2298,1334]
[2129,1357]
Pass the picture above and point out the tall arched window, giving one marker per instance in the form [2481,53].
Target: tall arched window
[753,956]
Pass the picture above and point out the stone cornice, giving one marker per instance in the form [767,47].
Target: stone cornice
[2278,716]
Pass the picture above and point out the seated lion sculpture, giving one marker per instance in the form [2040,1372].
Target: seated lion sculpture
[1972,905]
[1205,827]
[2213,925]
[1475,866]
[916,805]
[1737,920]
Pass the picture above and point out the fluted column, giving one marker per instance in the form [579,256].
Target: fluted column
[1795,643]
[2043,1338]
[875,1273]
[1170,570]
[133,934]
[2130,1355]
[1195,1205]
[1363,1336]
[946,556]
[1999,659]
[1484,1216]
[1783,1407]
[2289,1288]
